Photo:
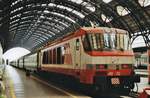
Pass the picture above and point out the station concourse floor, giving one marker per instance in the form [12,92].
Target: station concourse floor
[20,86]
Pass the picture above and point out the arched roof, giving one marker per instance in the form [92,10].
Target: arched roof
[31,23]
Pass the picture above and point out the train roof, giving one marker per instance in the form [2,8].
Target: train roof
[103,29]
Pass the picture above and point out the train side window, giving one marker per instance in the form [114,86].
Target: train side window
[77,44]
[62,54]
[54,56]
[43,60]
[50,55]
[46,57]
[59,55]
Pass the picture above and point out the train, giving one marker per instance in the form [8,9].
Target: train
[95,56]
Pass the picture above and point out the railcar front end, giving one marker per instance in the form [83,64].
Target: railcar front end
[95,56]
[108,59]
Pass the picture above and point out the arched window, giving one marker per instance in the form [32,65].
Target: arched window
[138,42]
[144,3]
[105,18]
[122,11]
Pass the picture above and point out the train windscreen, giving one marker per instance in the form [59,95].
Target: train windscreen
[105,41]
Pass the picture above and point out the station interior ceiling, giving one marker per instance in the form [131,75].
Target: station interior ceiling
[32,23]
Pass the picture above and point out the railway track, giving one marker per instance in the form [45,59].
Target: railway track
[75,88]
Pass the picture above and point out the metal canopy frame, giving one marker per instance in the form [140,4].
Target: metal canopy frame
[32,23]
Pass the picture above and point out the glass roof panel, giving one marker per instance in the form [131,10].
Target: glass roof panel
[51,33]
[61,15]
[25,21]
[27,17]
[107,1]
[67,8]
[15,10]
[14,21]
[15,2]
[86,4]
[106,19]
[144,3]
[77,1]
[122,11]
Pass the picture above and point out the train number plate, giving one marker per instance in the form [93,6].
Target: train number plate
[115,81]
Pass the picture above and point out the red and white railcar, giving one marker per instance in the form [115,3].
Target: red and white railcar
[96,56]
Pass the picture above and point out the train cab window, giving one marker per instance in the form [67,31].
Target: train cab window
[107,44]
[86,43]
[105,41]
[93,39]
[99,41]
[113,41]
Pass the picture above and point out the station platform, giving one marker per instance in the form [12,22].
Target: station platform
[144,79]
[142,72]
[20,86]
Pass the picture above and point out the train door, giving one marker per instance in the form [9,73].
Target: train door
[77,54]
[23,63]
[39,57]
[18,63]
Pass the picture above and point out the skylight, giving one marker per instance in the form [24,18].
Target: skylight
[106,19]
[107,1]
[65,8]
[85,4]
[144,3]
[77,1]
[122,11]
[61,15]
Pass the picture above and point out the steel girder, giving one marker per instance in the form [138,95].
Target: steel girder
[22,21]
